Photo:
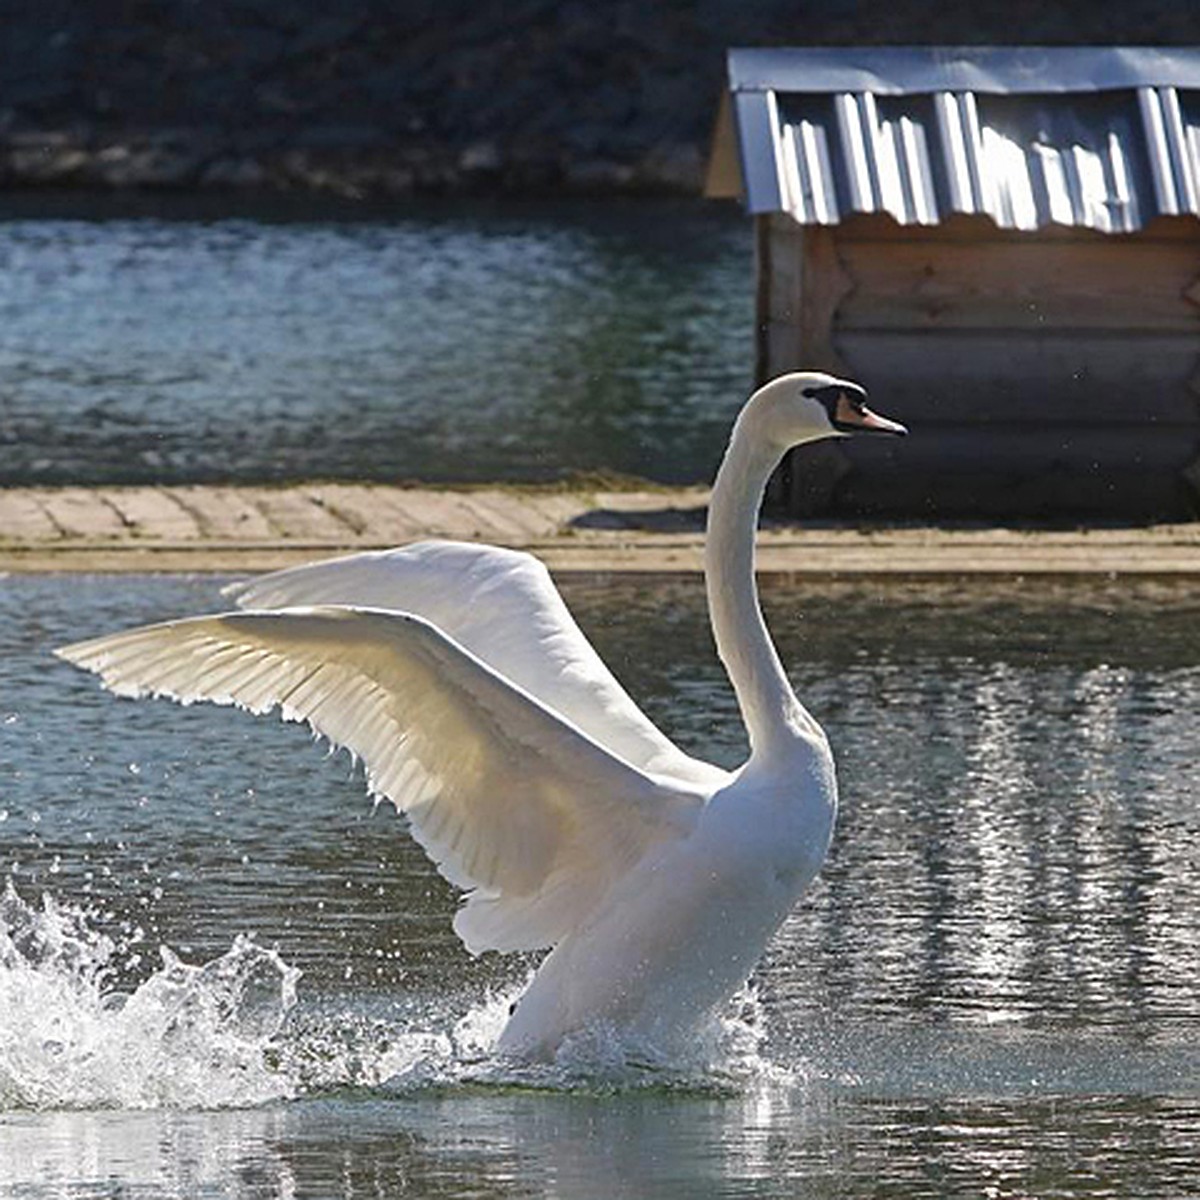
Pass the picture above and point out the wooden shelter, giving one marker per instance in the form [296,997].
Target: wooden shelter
[1003,245]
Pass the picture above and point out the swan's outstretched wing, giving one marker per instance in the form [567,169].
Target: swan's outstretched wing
[502,606]
[505,796]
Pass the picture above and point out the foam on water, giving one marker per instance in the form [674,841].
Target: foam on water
[229,1033]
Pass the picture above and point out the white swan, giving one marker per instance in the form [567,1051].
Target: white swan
[456,673]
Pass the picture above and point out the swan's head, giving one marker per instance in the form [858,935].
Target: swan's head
[806,405]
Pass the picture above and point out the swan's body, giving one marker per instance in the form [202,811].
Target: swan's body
[528,774]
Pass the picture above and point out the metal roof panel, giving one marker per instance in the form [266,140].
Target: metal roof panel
[1012,70]
[1081,137]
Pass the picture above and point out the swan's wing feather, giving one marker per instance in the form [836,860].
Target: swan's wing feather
[502,606]
[505,796]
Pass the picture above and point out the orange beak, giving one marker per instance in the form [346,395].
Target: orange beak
[859,416]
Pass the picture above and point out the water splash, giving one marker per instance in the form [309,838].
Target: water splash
[230,1034]
[189,1036]
[724,1057]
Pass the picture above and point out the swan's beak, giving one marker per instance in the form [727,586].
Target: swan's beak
[853,416]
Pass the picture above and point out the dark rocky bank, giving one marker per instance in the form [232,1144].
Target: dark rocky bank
[367,97]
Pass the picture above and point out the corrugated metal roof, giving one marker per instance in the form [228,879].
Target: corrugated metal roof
[1032,136]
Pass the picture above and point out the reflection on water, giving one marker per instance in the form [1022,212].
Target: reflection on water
[627,1146]
[457,342]
[992,986]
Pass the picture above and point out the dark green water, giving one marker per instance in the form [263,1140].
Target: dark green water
[992,990]
[447,342]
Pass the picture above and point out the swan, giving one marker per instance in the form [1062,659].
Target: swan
[529,776]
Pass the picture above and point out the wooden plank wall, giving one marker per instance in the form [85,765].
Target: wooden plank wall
[1054,374]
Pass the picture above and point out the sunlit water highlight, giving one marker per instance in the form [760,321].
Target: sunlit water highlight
[992,986]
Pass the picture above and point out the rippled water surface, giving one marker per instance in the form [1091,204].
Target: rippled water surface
[991,991]
[456,342]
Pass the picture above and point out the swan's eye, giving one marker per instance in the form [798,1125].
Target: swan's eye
[837,399]
[830,393]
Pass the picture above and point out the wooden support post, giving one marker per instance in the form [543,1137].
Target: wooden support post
[800,285]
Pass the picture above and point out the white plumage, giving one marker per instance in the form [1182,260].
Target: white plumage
[530,777]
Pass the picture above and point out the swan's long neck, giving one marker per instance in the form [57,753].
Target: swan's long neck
[769,706]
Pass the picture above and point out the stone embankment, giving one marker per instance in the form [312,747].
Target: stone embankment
[363,98]
[654,531]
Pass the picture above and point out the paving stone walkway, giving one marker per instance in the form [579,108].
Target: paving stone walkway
[262,528]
